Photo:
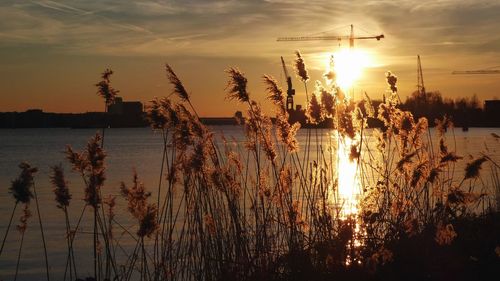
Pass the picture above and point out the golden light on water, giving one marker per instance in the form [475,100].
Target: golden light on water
[348,65]
[349,191]
[348,178]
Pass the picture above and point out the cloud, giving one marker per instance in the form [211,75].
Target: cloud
[59,7]
[248,27]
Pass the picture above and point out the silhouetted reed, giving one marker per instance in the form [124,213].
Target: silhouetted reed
[62,198]
[286,132]
[237,85]
[179,89]
[301,72]
[254,209]
[314,112]
[472,168]
[300,67]
[108,93]
[90,165]
[21,191]
[104,88]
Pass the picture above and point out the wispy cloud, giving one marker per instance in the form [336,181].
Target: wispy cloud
[448,33]
[59,7]
[430,22]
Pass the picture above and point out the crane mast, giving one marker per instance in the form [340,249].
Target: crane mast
[420,77]
[290,92]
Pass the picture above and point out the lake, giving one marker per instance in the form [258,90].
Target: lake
[127,149]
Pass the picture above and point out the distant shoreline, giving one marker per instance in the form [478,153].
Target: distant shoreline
[36,118]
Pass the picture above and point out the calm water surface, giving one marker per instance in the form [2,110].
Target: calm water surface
[127,149]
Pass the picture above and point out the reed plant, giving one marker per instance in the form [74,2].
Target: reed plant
[258,209]
[21,190]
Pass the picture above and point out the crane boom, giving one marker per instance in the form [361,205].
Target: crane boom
[284,68]
[338,38]
[350,37]
[485,71]
[290,92]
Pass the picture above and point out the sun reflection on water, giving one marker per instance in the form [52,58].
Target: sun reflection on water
[349,195]
[349,190]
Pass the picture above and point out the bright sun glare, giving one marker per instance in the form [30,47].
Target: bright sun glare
[348,66]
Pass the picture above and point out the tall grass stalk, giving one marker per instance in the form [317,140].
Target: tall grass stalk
[8,227]
[42,233]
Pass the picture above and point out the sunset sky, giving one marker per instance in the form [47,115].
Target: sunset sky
[52,52]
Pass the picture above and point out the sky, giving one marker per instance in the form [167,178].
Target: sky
[52,52]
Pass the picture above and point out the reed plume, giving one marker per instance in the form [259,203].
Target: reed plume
[156,114]
[136,196]
[148,221]
[90,164]
[327,100]
[447,156]
[442,125]
[96,171]
[104,88]
[300,67]
[391,80]
[472,168]
[60,184]
[21,186]
[330,75]
[63,197]
[21,191]
[274,92]
[286,131]
[144,212]
[179,89]
[314,112]
[237,85]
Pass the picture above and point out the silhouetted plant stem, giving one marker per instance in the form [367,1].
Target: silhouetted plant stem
[72,237]
[95,243]
[106,237]
[42,232]
[8,227]
[19,254]
[105,123]
[133,259]
[307,95]
[164,155]
[144,260]
[71,257]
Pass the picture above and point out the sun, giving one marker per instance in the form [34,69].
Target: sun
[348,65]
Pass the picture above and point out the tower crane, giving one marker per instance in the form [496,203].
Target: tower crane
[350,37]
[290,92]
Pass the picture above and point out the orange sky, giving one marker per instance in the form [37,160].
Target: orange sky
[52,52]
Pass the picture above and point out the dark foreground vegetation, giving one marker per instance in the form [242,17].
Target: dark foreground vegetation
[421,257]
[271,209]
